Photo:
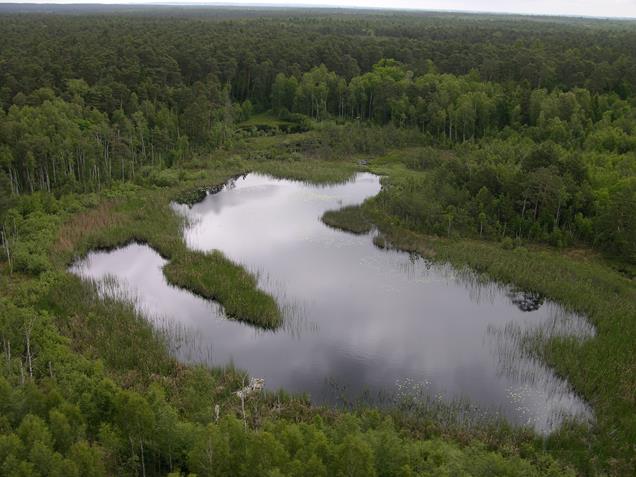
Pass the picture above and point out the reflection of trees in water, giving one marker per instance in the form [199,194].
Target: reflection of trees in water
[231,183]
[525,301]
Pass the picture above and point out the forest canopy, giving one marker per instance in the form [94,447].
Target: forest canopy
[92,98]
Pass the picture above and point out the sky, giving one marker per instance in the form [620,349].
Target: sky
[596,8]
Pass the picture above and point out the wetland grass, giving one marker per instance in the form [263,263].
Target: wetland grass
[215,277]
[314,171]
[143,215]
[146,217]
[103,320]
[351,219]
[602,369]
[137,353]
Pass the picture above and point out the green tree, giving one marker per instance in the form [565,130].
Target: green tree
[354,458]
[283,93]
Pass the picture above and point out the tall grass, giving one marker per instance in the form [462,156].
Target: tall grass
[145,216]
[213,276]
[105,321]
[601,369]
[351,218]
[108,326]
[315,171]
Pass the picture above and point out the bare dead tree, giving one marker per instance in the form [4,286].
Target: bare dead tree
[242,395]
[7,248]
[6,344]
[28,330]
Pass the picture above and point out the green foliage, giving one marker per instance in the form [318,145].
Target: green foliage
[82,131]
[283,93]
[586,286]
[616,224]
[519,131]
[508,190]
[5,195]
[351,218]
[107,398]
[346,449]
[230,285]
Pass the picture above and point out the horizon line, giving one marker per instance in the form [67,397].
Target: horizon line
[280,5]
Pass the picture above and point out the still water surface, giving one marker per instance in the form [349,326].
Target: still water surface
[357,318]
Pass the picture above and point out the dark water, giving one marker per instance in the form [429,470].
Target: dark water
[357,318]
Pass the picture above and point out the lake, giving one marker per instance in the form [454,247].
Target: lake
[358,319]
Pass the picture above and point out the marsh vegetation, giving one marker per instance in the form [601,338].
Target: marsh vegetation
[505,147]
[346,287]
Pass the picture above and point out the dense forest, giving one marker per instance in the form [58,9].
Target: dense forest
[511,129]
[85,102]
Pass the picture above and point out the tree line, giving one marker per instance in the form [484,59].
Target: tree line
[570,166]
[93,98]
